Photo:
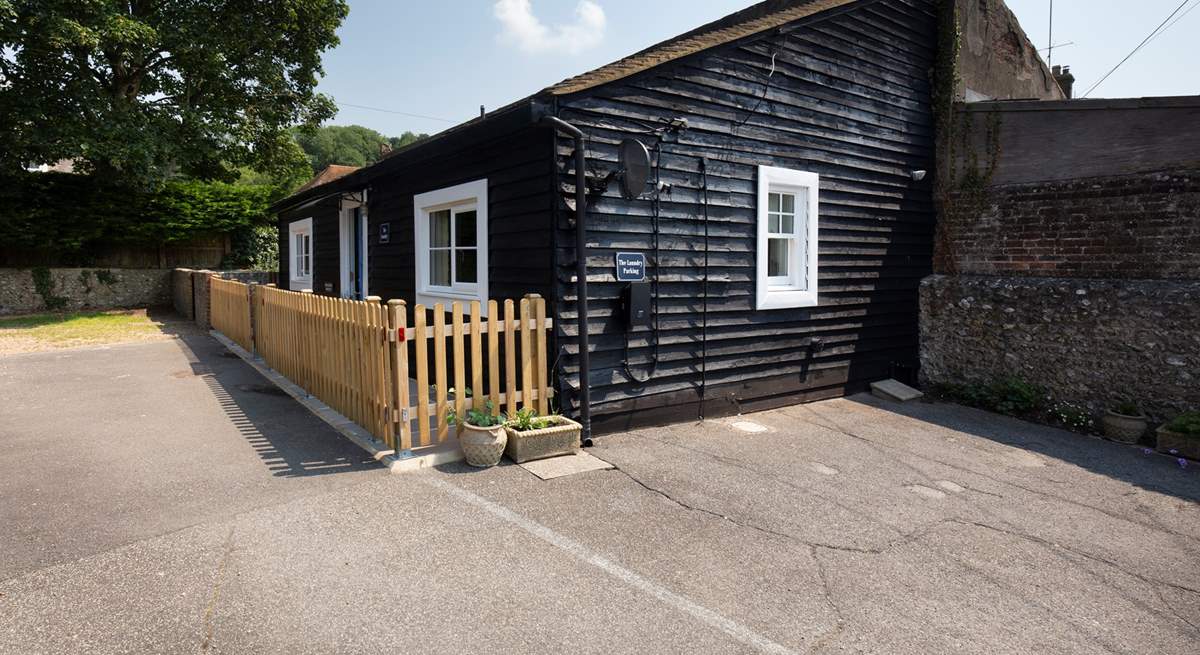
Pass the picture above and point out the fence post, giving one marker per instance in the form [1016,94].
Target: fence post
[380,368]
[538,311]
[252,297]
[398,340]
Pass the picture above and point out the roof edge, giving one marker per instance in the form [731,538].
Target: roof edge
[511,117]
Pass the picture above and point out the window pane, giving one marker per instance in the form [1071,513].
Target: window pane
[789,203]
[464,228]
[464,262]
[788,224]
[439,268]
[773,223]
[777,257]
[439,229]
[773,202]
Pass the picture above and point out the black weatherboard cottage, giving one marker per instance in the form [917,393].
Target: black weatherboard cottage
[785,220]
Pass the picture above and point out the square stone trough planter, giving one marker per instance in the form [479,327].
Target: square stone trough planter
[559,439]
[1183,445]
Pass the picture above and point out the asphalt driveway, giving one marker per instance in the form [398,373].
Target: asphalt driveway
[155,513]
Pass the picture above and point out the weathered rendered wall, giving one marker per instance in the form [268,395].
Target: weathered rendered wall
[996,59]
[84,288]
[1090,341]
[1071,139]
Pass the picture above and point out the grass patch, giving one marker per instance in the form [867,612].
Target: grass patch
[41,331]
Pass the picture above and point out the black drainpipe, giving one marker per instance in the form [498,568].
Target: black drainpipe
[585,404]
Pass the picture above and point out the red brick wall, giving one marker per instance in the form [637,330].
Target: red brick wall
[1144,226]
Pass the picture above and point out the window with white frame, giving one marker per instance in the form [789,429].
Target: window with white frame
[451,243]
[301,245]
[787,238]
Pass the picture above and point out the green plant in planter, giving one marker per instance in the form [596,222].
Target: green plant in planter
[527,418]
[479,418]
[1127,408]
[1187,423]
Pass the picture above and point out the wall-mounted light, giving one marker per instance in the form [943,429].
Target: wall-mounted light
[918,175]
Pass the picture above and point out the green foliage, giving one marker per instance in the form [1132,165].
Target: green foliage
[73,215]
[254,247]
[347,145]
[1127,408]
[527,418]
[1187,423]
[478,418]
[1011,396]
[43,283]
[142,91]
[285,174]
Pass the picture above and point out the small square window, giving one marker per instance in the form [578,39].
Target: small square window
[300,260]
[787,238]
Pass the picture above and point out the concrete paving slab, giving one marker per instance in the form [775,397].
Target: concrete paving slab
[557,467]
[895,390]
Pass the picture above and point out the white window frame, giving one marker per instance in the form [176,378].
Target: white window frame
[795,290]
[300,264]
[474,194]
[345,252]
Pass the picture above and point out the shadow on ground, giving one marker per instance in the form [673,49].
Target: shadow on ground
[1148,470]
[289,440]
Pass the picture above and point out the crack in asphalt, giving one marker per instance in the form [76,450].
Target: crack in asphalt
[878,447]
[910,537]
[741,524]
[210,611]
[827,591]
[1075,551]
[808,489]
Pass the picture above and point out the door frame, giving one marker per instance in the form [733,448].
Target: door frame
[347,262]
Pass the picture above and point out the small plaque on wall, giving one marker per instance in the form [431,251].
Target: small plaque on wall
[631,267]
[385,232]
[328,287]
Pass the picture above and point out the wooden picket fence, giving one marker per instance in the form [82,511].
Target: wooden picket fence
[230,307]
[399,381]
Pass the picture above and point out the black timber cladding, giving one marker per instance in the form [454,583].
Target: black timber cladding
[849,100]
[519,171]
[326,259]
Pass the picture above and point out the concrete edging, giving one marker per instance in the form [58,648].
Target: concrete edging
[404,462]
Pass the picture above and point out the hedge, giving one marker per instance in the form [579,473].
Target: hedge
[70,214]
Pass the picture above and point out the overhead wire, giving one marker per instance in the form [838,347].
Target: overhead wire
[1172,24]
[1146,40]
[393,111]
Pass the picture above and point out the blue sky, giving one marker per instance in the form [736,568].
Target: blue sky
[442,60]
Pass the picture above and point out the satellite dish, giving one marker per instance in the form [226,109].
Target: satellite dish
[635,168]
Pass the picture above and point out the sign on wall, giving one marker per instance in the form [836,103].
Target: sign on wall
[385,232]
[631,267]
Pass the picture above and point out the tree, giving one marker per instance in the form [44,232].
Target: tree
[142,90]
[348,145]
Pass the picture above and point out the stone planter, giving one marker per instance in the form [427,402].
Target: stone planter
[559,439]
[1123,428]
[482,447]
[1184,445]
